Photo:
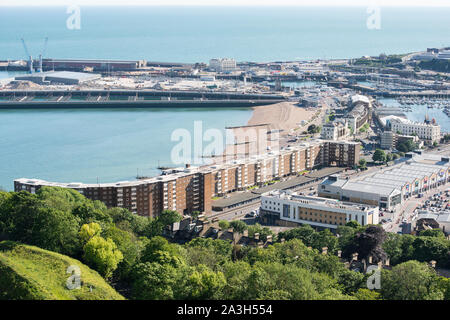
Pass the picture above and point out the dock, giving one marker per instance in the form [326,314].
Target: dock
[41,99]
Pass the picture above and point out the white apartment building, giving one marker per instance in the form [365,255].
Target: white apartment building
[336,130]
[425,131]
[318,212]
[222,64]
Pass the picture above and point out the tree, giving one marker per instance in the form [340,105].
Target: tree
[195,215]
[88,231]
[26,218]
[353,224]
[313,129]
[432,233]
[204,284]
[102,255]
[379,156]
[165,219]
[159,250]
[238,226]
[153,281]
[410,280]
[363,164]
[389,157]
[130,247]
[366,294]
[224,224]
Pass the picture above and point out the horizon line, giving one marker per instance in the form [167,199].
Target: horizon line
[232,5]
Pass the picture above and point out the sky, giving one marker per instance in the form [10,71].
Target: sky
[409,3]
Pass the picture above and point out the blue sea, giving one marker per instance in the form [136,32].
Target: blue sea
[83,145]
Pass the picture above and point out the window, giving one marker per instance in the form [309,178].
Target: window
[286,209]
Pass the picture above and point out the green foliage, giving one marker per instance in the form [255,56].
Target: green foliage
[263,232]
[366,294]
[238,226]
[129,245]
[102,255]
[437,233]
[224,224]
[27,218]
[31,273]
[156,226]
[439,65]
[353,224]
[379,156]
[310,237]
[153,281]
[88,231]
[314,129]
[410,280]
[407,146]
[159,250]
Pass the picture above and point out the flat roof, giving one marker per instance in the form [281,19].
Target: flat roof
[288,184]
[235,199]
[325,172]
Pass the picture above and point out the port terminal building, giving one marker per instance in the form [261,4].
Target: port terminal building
[289,209]
[392,186]
[59,77]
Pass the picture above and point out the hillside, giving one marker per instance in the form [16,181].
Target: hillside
[31,273]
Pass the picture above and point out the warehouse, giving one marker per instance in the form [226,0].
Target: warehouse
[388,188]
[59,77]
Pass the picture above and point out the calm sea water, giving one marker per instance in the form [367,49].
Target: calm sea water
[193,34]
[81,145]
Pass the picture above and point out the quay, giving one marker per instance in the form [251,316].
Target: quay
[41,99]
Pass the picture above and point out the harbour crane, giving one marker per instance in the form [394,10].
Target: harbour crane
[44,50]
[30,61]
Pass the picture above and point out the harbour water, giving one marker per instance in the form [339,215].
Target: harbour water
[83,145]
[419,111]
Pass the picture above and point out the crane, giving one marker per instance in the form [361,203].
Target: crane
[43,54]
[30,61]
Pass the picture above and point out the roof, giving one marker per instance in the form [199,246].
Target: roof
[288,184]
[235,199]
[322,173]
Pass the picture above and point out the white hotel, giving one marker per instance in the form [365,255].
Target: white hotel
[292,209]
[425,131]
[222,65]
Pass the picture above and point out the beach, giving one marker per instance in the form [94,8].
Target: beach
[266,125]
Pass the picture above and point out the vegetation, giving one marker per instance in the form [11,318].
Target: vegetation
[438,65]
[407,146]
[314,129]
[132,255]
[28,272]
[379,156]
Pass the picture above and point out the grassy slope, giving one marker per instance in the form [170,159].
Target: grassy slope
[28,272]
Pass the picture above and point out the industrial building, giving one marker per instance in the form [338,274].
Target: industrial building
[92,64]
[390,187]
[59,77]
[290,209]
[191,189]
